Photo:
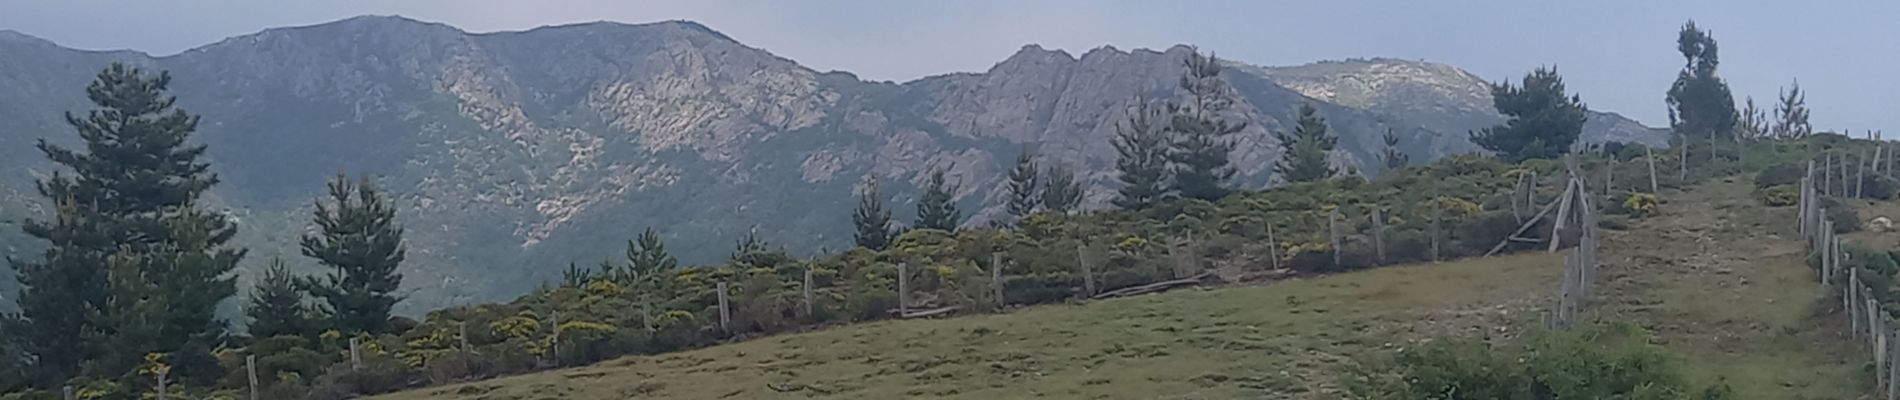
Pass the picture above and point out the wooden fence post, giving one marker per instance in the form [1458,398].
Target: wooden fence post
[725,310]
[162,395]
[1332,228]
[67,392]
[1860,175]
[554,328]
[903,289]
[1273,247]
[1683,171]
[1650,157]
[1378,234]
[1088,272]
[996,279]
[1827,169]
[1437,213]
[250,371]
[1530,196]
[808,291]
[1609,176]
[1563,214]
[1852,298]
[1517,197]
[356,355]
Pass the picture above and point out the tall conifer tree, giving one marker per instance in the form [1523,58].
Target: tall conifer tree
[277,307]
[1307,148]
[872,219]
[359,239]
[1700,104]
[1200,142]
[1024,185]
[1393,158]
[937,207]
[1061,191]
[129,203]
[1543,121]
[1142,149]
[1791,114]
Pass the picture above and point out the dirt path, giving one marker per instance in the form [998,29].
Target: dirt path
[1723,280]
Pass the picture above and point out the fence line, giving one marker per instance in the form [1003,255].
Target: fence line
[1867,323]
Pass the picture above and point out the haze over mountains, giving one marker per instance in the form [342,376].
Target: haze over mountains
[515,153]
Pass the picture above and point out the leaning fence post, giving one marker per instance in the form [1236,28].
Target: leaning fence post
[996,279]
[1860,174]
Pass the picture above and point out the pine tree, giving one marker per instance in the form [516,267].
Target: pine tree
[1543,122]
[1393,158]
[1200,144]
[165,297]
[1062,192]
[748,244]
[1753,123]
[129,203]
[647,261]
[937,207]
[358,238]
[1142,148]
[1791,114]
[1023,185]
[647,256]
[1306,149]
[277,306]
[872,219]
[1700,104]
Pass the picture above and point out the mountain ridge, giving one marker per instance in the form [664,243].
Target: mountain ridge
[513,153]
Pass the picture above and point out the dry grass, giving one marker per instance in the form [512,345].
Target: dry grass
[1723,281]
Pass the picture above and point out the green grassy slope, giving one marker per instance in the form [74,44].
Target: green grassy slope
[1281,340]
[1716,276]
[1723,281]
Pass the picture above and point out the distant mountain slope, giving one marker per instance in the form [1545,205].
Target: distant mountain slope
[516,153]
[1438,97]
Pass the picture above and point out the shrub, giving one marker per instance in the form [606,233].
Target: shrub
[378,374]
[1880,187]
[1615,224]
[1779,196]
[1844,217]
[1780,174]
[1591,362]
[1640,204]
[1223,245]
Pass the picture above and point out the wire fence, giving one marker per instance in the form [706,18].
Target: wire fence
[1867,321]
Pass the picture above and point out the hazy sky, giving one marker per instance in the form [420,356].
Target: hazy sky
[1619,55]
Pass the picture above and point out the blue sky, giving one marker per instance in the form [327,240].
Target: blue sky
[1619,55]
